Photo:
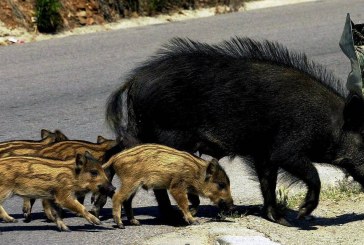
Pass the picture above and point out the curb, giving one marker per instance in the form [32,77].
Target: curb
[216,233]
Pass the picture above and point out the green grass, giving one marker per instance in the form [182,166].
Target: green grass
[343,189]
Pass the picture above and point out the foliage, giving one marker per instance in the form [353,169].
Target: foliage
[48,17]
[343,189]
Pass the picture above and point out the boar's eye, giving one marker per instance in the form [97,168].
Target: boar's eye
[221,185]
[94,173]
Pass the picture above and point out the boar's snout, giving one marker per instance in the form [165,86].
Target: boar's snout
[226,206]
[107,189]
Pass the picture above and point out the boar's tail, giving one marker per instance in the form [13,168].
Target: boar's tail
[108,163]
[119,112]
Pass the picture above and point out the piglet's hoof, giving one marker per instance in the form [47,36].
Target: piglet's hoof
[134,222]
[193,222]
[27,218]
[11,220]
[120,226]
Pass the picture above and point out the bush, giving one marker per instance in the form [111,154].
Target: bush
[48,17]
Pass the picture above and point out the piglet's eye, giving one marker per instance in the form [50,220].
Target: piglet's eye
[94,173]
[222,185]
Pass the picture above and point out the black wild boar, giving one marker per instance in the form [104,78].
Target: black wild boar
[153,166]
[54,180]
[245,98]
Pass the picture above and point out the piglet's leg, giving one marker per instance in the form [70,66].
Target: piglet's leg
[48,209]
[72,204]
[126,190]
[55,211]
[5,216]
[179,193]
[129,211]
[4,194]
[27,208]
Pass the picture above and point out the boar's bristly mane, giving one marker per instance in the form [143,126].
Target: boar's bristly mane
[249,49]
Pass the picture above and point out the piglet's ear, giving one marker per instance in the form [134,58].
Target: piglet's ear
[44,133]
[100,139]
[80,162]
[60,136]
[211,168]
[353,112]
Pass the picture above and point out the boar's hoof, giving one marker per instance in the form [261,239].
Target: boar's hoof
[94,212]
[193,222]
[120,226]
[283,221]
[193,210]
[134,222]
[11,220]
[27,218]
[93,220]
[62,227]
[306,209]
[275,216]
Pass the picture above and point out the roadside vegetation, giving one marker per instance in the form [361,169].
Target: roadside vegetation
[343,189]
[53,16]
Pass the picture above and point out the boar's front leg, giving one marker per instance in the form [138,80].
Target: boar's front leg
[305,171]
[195,203]
[99,200]
[54,214]
[178,191]
[68,201]
[267,174]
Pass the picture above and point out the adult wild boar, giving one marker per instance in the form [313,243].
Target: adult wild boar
[246,98]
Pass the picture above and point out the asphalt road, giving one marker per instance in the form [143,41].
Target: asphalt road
[64,84]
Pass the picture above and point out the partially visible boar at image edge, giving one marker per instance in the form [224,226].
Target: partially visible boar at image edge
[54,180]
[244,98]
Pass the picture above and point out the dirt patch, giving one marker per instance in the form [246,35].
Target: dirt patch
[335,222]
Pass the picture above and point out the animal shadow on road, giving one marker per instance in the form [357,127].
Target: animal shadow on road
[39,223]
[150,215]
[315,222]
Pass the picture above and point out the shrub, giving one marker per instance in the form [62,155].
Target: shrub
[48,17]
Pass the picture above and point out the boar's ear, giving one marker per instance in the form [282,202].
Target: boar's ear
[211,168]
[88,155]
[60,136]
[80,162]
[44,133]
[100,139]
[353,112]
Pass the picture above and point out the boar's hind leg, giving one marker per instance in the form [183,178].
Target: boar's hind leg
[4,194]
[27,209]
[5,216]
[47,207]
[129,210]
[127,190]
